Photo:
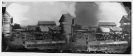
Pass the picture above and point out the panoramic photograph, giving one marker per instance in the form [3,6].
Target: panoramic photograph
[66,27]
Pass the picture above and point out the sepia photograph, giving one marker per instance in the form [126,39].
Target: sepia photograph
[99,27]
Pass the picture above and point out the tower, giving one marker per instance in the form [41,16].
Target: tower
[66,26]
[7,21]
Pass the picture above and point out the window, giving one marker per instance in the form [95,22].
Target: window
[126,23]
[6,22]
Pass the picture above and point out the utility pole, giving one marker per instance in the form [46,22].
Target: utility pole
[72,26]
[87,40]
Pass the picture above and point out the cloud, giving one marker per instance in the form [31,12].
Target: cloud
[17,11]
[29,13]
[110,12]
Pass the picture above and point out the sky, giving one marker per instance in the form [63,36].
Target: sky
[84,13]
[111,12]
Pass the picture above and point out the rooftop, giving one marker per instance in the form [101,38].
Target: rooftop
[7,14]
[107,23]
[46,22]
[66,18]
[32,25]
[127,17]
[116,28]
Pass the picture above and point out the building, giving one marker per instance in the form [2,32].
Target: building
[107,30]
[7,21]
[125,22]
[116,30]
[104,27]
[106,24]
[66,22]
[44,25]
[55,32]
[127,33]
[103,31]
[54,29]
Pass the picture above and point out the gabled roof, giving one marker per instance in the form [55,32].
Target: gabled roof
[7,14]
[127,10]
[107,23]
[125,18]
[46,22]
[66,18]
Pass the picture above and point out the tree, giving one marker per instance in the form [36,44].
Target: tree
[16,26]
[38,29]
